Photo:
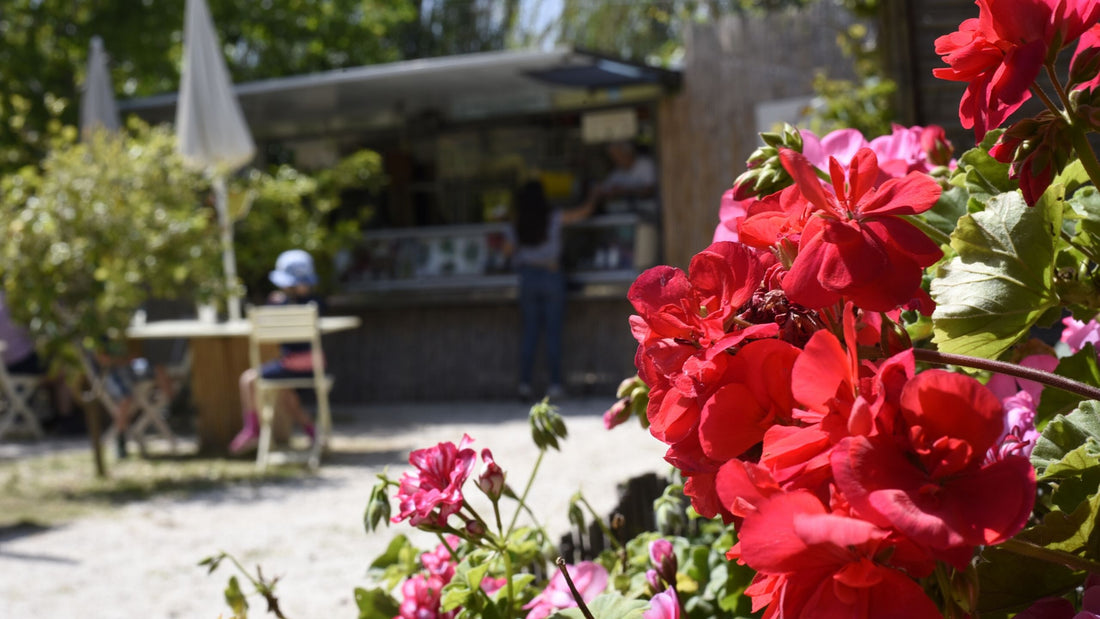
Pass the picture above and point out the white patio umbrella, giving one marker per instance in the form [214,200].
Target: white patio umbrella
[97,104]
[210,127]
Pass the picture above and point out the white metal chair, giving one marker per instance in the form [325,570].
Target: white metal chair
[278,324]
[16,411]
[148,409]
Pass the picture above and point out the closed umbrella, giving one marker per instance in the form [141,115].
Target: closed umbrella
[210,127]
[97,104]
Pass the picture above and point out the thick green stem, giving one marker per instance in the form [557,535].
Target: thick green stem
[1034,551]
[1053,380]
[1084,152]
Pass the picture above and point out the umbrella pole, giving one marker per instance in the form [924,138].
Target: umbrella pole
[229,257]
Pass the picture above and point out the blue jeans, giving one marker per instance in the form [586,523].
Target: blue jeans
[542,306]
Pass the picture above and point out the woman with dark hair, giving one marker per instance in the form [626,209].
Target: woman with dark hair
[536,255]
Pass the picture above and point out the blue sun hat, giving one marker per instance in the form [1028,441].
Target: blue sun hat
[293,267]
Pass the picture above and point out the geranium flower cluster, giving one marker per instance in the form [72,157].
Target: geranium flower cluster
[791,405]
[1000,54]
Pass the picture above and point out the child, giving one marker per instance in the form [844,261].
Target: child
[295,277]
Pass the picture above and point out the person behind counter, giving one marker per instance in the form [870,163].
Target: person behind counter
[632,184]
[295,277]
[535,246]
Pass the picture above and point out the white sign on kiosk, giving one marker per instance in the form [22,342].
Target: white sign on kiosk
[608,126]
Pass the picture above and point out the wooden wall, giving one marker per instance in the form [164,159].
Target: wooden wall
[708,130]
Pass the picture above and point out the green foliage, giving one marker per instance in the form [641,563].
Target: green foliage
[866,102]
[607,605]
[375,604]
[44,47]
[1081,366]
[96,230]
[1001,281]
[647,30]
[291,209]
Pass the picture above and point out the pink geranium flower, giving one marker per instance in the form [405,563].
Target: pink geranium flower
[434,491]
[1076,334]
[589,578]
[420,596]
[664,605]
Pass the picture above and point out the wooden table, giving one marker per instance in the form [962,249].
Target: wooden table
[219,354]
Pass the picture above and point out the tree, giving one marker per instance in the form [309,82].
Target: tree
[646,30]
[445,27]
[44,46]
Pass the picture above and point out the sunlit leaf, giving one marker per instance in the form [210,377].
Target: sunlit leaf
[1001,281]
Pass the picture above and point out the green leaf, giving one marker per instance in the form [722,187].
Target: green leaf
[1001,281]
[1010,581]
[945,214]
[1058,452]
[1082,367]
[393,555]
[235,599]
[375,604]
[607,606]
[1072,531]
[981,175]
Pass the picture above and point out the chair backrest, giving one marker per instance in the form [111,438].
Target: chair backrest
[274,324]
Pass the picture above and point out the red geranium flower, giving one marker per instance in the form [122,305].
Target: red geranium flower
[856,245]
[1001,52]
[815,563]
[936,486]
[434,491]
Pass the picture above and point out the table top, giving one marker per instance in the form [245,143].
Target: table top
[193,328]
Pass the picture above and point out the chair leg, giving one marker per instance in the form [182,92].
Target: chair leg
[267,414]
[324,429]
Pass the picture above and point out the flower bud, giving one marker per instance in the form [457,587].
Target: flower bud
[663,558]
[378,507]
[547,425]
[654,581]
[475,529]
[491,480]
[934,143]
[669,510]
[618,413]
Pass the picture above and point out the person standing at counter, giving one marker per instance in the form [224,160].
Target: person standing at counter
[535,246]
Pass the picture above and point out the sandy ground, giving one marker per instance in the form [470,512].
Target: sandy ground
[140,561]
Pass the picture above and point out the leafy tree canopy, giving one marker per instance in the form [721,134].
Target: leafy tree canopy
[44,48]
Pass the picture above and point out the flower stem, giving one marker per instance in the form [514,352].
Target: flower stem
[603,525]
[509,576]
[937,235]
[1053,380]
[1084,152]
[1058,87]
[573,589]
[1035,551]
[450,551]
[526,491]
[1068,238]
[1077,132]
